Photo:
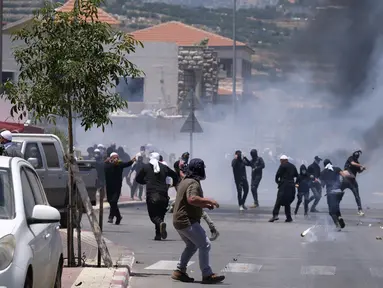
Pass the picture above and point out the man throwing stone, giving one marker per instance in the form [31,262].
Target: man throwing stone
[186,220]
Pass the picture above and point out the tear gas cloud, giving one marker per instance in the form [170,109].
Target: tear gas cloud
[293,116]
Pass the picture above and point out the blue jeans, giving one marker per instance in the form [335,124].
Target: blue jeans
[195,239]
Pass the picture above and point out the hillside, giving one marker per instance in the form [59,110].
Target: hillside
[219,3]
[264,29]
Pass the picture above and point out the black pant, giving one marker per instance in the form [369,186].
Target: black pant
[242,185]
[317,194]
[114,211]
[157,211]
[254,187]
[333,201]
[134,189]
[300,196]
[352,184]
[277,207]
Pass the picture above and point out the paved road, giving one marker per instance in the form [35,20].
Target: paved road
[257,254]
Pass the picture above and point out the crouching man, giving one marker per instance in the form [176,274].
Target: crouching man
[186,220]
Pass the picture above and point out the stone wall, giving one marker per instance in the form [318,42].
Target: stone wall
[202,59]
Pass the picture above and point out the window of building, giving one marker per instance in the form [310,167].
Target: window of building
[8,76]
[226,68]
[131,90]
[51,155]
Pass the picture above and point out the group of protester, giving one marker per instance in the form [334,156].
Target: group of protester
[154,173]
[334,179]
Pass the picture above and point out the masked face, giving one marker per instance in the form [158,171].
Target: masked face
[304,172]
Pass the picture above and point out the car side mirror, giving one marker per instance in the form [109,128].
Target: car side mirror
[34,162]
[44,214]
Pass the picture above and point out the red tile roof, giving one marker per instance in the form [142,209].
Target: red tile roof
[181,34]
[102,15]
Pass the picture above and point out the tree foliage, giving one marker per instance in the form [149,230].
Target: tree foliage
[70,63]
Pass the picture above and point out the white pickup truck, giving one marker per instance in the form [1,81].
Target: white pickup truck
[45,152]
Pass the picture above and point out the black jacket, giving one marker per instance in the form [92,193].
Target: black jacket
[239,170]
[286,174]
[256,163]
[156,187]
[331,179]
[314,170]
[303,180]
[113,179]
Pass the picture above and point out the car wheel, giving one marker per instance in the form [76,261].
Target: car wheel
[59,274]
[28,280]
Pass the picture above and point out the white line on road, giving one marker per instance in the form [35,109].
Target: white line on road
[376,272]
[242,268]
[165,265]
[318,270]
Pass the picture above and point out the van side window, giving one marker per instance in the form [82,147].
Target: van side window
[51,155]
[32,151]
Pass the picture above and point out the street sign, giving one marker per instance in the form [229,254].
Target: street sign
[191,125]
[190,101]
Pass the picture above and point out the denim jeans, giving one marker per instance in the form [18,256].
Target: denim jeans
[195,239]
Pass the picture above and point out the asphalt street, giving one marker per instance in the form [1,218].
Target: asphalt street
[254,253]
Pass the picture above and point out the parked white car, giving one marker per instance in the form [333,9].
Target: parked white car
[31,252]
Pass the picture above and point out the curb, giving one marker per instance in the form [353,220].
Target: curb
[127,204]
[121,276]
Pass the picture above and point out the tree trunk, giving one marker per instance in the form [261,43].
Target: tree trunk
[92,217]
[70,249]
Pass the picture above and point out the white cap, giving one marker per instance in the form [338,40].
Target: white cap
[284,157]
[96,151]
[7,135]
[113,154]
[100,146]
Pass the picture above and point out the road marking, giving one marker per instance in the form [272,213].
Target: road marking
[242,268]
[318,270]
[376,272]
[166,265]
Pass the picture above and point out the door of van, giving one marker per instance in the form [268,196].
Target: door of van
[55,179]
[32,149]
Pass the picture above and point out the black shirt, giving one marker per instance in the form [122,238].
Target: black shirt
[314,170]
[239,170]
[156,187]
[351,168]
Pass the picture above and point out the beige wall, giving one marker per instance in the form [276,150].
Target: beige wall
[242,54]
[158,60]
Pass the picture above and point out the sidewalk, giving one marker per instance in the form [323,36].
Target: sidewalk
[90,276]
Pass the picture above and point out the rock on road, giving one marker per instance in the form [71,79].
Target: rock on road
[254,253]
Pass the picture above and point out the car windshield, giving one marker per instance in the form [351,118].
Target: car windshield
[6,196]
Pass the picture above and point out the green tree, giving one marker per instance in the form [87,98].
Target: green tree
[69,65]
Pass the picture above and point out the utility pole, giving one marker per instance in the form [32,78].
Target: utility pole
[235,57]
[1,43]
[193,123]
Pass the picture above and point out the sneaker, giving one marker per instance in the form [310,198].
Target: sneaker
[254,206]
[306,216]
[274,218]
[314,210]
[110,220]
[241,208]
[163,232]
[212,279]
[118,221]
[214,235]
[244,207]
[181,276]
[341,222]
[157,238]
[288,220]
[360,213]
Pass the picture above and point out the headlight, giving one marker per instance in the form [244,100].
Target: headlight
[7,250]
